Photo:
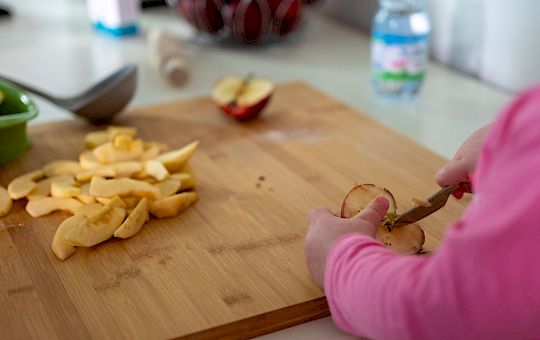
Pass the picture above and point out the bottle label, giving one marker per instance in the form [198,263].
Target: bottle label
[399,58]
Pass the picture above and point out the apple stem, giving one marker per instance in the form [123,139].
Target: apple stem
[243,87]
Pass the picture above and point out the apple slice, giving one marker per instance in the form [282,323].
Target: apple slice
[176,159]
[43,187]
[169,187]
[64,190]
[187,182]
[98,228]
[23,185]
[101,187]
[89,209]
[5,202]
[60,247]
[242,98]
[135,220]
[408,239]
[62,167]
[46,205]
[172,205]
[88,161]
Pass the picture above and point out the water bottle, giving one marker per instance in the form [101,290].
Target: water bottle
[399,49]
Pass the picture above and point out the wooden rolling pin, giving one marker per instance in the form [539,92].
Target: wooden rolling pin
[166,56]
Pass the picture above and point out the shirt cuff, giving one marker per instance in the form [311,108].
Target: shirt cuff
[335,262]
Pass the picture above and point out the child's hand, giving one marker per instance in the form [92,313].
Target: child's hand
[325,229]
[459,169]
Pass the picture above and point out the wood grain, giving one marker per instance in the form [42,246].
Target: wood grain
[232,266]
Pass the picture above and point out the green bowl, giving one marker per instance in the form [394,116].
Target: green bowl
[16,108]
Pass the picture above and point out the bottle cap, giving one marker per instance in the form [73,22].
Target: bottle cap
[401,4]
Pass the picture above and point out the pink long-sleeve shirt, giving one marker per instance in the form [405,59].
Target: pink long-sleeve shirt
[484,281]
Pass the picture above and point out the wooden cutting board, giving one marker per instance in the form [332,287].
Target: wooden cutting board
[233,264]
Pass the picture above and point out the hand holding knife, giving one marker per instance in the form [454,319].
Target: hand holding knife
[436,202]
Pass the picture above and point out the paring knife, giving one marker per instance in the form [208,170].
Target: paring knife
[437,201]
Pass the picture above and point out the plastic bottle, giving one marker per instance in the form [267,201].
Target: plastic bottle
[399,49]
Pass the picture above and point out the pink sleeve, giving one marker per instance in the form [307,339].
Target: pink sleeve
[484,282]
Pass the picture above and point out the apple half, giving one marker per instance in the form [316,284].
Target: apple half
[242,98]
[408,239]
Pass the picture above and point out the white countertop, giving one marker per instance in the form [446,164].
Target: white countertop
[51,45]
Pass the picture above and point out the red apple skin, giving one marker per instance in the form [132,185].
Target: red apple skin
[187,9]
[245,113]
[286,15]
[205,15]
[248,20]
[274,4]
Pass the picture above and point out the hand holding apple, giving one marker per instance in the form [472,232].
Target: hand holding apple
[325,229]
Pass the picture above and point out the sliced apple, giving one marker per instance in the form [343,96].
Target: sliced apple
[64,190]
[88,161]
[242,98]
[156,169]
[43,187]
[123,187]
[114,151]
[169,187]
[123,142]
[60,247]
[5,202]
[62,167]
[96,138]
[23,185]
[114,130]
[97,230]
[135,220]
[115,201]
[141,176]
[100,214]
[46,205]
[120,169]
[84,196]
[126,169]
[174,160]
[186,179]
[172,205]
[187,169]
[408,239]
[152,150]
[131,201]
[87,175]
[89,209]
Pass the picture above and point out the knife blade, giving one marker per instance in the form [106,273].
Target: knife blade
[437,201]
